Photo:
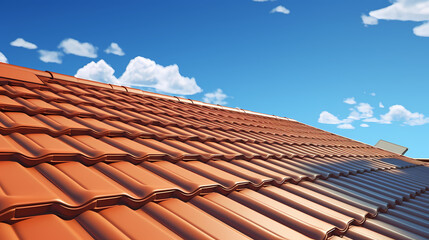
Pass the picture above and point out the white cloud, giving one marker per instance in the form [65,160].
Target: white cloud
[216,97]
[400,113]
[115,49]
[280,9]
[362,110]
[406,10]
[3,58]
[350,100]
[354,115]
[142,72]
[373,94]
[100,71]
[19,42]
[345,126]
[422,30]
[365,110]
[368,20]
[72,46]
[372,119]
[50,56]
[328,118]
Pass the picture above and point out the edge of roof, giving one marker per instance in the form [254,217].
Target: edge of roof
[29,75]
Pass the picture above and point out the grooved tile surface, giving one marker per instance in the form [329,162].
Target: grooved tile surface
[87,160]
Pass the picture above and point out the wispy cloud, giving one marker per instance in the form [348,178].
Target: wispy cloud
[350,101]
[142,72]
[280,9]
[19,42]
[368,20]
[3,58]
[216,97]
[405,10]
[364,112]
[345,126]
[422,30]
[372,120]
[50,56]
[114,49]
[73,46]
[360,111]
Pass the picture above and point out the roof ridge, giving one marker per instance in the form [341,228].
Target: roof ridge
[24,74]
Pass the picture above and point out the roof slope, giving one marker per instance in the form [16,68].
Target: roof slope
[82,159]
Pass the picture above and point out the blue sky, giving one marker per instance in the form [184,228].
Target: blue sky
[301,61]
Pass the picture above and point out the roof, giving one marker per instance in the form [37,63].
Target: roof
[83,159]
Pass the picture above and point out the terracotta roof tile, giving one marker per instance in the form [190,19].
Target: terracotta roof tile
[83,160]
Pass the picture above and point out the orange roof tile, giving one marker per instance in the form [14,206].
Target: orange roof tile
[83,160]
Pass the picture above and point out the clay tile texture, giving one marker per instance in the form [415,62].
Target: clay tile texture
[86,160]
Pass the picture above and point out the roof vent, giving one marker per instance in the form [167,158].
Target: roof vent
[391,147]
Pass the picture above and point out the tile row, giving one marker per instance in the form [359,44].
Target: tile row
[70,188]
[406,221]
[36,101]
[304,211]
[63,92]
[57,125]
[41,101]
[34,148]
[32,107]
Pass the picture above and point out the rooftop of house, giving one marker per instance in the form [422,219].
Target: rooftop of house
[83,159]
